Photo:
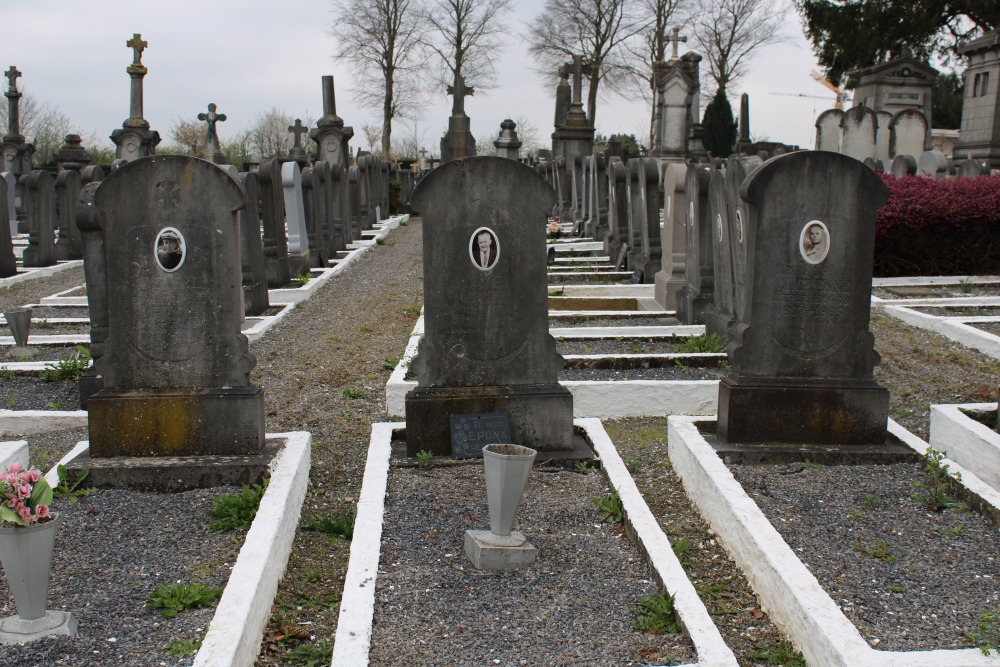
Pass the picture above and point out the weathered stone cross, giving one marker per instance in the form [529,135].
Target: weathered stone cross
[459,91]
[298,130]
[137,46]
[675,39]
[579,69]
[211,118]
[12,75]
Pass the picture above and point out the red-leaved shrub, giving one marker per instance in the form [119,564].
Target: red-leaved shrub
[946,227]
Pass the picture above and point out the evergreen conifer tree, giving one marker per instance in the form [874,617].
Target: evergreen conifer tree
[720,125]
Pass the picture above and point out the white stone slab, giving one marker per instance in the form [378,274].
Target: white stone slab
[581,333]
[13,451]
[966,441]
[40,421]
[950,327]
[789,593]
[24,274]
[916,281]
[635,291]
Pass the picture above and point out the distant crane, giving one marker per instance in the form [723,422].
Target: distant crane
[841,95]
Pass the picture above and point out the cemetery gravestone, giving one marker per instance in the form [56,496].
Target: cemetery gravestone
[932,164]
[68,242]
[252,265]
[883,139]
[670,278]
[828,130]
[802,352]
[272,210]
[40,209]
[486,346]
[858,130]
[907,133]
[696,296]
[295,217]
[176,368]
[618,207]
[8,263]
[646,216]
[8,201]
[599,198]
[737,170]
[95,271]
[904,165]
[314,204]
[720,315]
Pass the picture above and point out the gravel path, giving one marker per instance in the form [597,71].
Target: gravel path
[573,607]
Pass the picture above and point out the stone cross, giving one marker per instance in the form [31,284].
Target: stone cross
[211,118]
[298,130]
[579,70]
[675,39]
[12,75]
[459,91]
[137,46]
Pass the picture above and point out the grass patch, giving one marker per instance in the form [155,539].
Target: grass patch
[779,654]
[182,648]
[355,393]
[172,599]
[703,343]
[341,525]
[301,279]
[70,368]
[609,508]
[236,511]
[655,614]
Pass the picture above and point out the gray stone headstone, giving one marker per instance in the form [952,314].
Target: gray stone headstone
[802,352]
[338,208]
[696,296]
[314,203]
[670,277]
[68,241]
[40,209]
[295,218]
[737,171]
[354,201]
[9,200]
[272,210]
[486,346]
[858,129]
[828,130]
[8,263]
[618,207]
[883,141]
[932,164]
[95,271]
[599,196]
[907,133]
[720,315]
[904,165]
[252,265]
[176,368]
[972,169]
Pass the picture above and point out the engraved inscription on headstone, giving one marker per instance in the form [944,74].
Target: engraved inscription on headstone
[470,433]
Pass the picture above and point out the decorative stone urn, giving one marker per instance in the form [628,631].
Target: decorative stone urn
[26,556]
[507,470]
[19,323]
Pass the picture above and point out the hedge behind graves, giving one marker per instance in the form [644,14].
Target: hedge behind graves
[939,228]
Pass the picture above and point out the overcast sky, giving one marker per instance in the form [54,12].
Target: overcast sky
[252,55]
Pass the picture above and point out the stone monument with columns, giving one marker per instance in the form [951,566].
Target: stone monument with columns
[508,144]
[329,131]
[15,153]
[134,139]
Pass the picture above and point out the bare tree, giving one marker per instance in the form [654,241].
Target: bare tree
[382,39]
[593,29]
[466,36]
[408,144]
[373,135]
[268,134]
[188,136]
[728,31]
[527,132]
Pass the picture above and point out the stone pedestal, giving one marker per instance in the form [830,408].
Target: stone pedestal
[691,307]
[458,142]
[176,422]
[16,630]
[802,411]
[541,416]
[492,552]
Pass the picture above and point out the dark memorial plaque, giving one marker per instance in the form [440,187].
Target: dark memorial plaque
[470,433]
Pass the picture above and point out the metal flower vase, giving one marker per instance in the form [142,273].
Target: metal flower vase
[26,557]
[507,470]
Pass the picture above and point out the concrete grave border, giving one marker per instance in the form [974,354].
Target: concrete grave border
[357,609]
[14,451]
[41,421]
[788,590]
[237,627]
[24,274]
[952,327]
[966,441]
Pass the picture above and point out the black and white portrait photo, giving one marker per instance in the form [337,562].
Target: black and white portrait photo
[170,249]
[814,242]
[484,248]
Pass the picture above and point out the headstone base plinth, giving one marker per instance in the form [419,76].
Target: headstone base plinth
[691,307]
[176,422]
[541,416]
[16,630]
[173,474]
[22,353]
[277,272]
[90,383]
[665,289]
[299,263]
[717,323]
[492,552]
[848,412]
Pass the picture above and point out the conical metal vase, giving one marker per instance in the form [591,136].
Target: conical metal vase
[507,470]
[26,556]
[19,322]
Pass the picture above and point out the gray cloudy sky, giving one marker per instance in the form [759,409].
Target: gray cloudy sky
[252,55]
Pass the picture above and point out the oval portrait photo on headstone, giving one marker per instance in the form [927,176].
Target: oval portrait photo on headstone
[739,226]
[814,242]
[170,249]
[484,248]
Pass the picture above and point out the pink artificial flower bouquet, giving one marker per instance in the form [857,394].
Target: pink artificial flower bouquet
[24,496]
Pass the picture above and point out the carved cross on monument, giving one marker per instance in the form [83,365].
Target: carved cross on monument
[137,46]
[12,75]
[459,91]
[674,40]
[298,130]
[579,70]
[211,138]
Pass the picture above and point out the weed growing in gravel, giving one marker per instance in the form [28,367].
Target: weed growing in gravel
[7,375]
[609,508]
[310,576]
[172,599]
[680,549]
[871,500]
[425,459]
[637,349]
[879,551]
[704,343]
[557,292]
[655,613]
[365,329]
[895,588]
[355,393]
[389,364]
[341,525]
[54,405]
[311,655]
[933,492]
[811,465]
[182,648]
[381,241]
[70,368]
[404,223]
[953,532]
[412,310]
[71,490]
[584,467]
[301,279]
[237,511]
[856,515]
[780,654]
[987,633]
[965,286]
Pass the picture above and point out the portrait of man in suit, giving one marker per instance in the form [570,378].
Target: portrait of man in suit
[484,248]
[814,242]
